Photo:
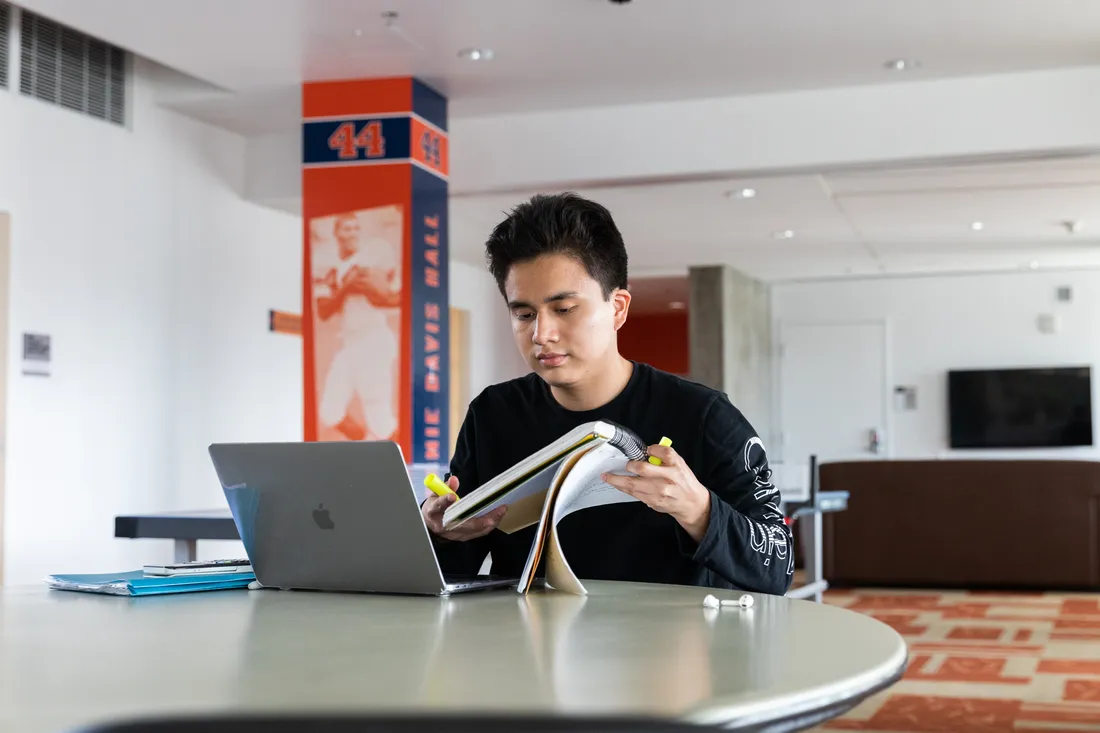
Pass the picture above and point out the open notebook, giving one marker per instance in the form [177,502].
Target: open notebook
[560,479]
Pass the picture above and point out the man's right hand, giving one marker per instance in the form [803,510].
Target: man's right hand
[433,509]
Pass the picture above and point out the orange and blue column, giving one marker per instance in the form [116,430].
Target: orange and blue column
[374,210]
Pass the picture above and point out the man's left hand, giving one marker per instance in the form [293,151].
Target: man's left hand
[670,488]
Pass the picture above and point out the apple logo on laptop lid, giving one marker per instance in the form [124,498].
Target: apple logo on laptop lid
[321,517]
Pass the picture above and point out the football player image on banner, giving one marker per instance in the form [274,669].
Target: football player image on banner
[357,288]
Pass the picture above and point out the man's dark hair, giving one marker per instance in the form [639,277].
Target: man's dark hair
[563,223]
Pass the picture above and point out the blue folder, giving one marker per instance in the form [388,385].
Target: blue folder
[137,583]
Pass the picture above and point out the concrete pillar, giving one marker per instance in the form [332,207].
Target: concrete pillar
[730,340]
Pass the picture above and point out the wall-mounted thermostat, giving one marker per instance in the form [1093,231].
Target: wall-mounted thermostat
[905,398]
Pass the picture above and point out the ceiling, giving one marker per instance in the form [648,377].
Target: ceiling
[845,223]
[574,53]
[243,62]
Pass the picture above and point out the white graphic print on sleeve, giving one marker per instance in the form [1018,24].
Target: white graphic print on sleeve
[767,539]
[756,461]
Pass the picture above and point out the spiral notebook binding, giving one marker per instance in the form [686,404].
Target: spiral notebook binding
[626,440]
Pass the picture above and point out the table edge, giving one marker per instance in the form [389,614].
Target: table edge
[800,710]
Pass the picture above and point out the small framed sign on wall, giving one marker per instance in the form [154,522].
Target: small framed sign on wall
[36,354]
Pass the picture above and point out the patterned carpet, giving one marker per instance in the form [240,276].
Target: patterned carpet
[985,662]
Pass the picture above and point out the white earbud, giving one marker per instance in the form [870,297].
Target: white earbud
[744,601]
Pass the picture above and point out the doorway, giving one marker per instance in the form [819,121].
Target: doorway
[834,391]
[5,263]
[460,373]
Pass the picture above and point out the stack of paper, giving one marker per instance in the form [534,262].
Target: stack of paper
[137,583]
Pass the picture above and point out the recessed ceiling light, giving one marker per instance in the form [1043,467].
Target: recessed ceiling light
[977,226]
[677,305]
[783,234]
[358,31]
[901,64]
[476,54]
[741,193]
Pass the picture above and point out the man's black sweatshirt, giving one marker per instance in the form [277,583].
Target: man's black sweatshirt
[747,545]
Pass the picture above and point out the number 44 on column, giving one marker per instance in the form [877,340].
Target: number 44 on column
[348,142]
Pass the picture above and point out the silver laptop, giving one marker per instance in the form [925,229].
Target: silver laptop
[333,516]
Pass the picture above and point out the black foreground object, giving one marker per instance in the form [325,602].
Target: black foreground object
[420,723]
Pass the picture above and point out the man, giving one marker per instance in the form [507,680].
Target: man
[361,283]
[707,516]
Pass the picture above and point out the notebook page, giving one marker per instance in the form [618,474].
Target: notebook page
[537,484]
[559,575]
[539,545]
[537,462]
[582,488]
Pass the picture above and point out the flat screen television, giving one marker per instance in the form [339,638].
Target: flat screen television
[1020,408]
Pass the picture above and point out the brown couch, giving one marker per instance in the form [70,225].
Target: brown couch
[964,524]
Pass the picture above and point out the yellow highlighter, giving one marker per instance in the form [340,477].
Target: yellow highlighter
[436,484]
[666,442]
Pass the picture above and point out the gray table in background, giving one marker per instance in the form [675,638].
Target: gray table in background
[184,528]
[71,660]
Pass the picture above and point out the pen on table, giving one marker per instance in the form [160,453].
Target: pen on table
[436,484]
[666,442]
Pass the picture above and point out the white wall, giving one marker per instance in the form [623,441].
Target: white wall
[235,380]
[136,251]
[965,321]
[133,249]
[493,355]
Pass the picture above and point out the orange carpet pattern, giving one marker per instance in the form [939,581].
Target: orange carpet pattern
[984,662]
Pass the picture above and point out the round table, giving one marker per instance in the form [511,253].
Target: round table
[70,660]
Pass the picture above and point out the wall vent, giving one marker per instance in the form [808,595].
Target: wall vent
[5,43]
[65,67]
